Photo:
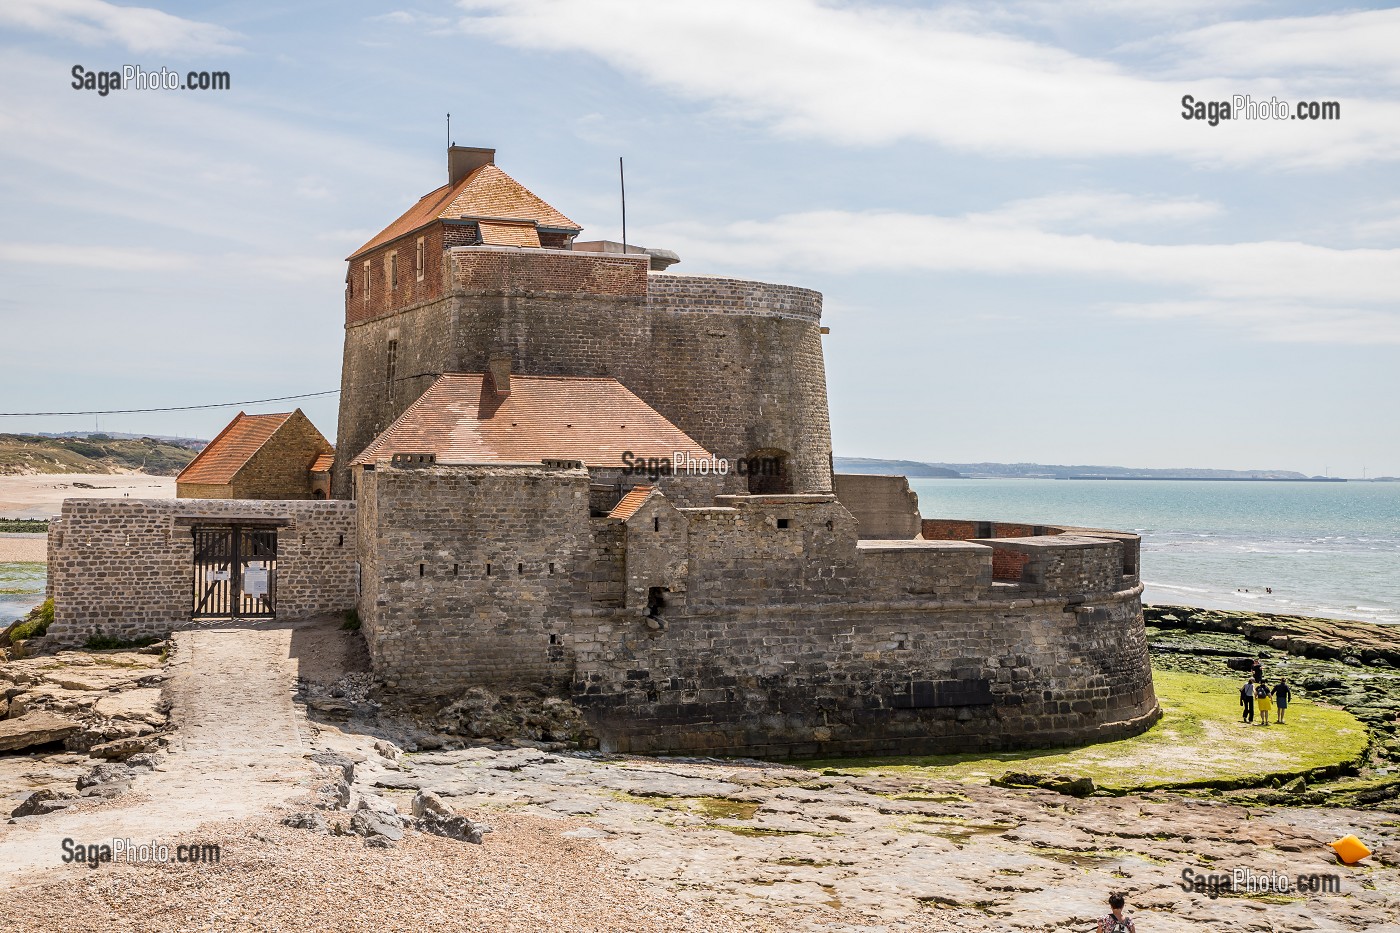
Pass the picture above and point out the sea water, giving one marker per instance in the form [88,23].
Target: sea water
[21,589]
[1325,549]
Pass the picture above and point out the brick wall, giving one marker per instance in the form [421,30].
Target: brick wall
[736,365]
[126,566]
[381,298]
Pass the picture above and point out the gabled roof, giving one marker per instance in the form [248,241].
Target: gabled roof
[232,449]
[595,419]
[323,463]
[486,194]
[630,503]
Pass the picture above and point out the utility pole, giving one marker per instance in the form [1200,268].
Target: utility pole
[622,179]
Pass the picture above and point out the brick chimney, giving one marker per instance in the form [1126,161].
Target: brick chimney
[463,160]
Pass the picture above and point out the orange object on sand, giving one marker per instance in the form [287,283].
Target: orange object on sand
[1350,849]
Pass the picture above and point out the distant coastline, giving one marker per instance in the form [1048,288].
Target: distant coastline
[1225,479]
[916,469]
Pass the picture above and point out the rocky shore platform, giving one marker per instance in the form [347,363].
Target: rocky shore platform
[331,812]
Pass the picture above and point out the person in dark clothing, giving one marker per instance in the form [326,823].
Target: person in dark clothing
[1247,701]
[1258,669]
[1282,695]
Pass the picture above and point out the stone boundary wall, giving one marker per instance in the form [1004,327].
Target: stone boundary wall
[883,506]
[868,678]
[125,567]
[471,573]
[781,634]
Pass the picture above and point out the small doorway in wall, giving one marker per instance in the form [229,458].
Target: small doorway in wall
[767,470]
[235,572]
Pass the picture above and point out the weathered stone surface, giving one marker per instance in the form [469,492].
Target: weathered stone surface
[41,802]
[119,749]
[397,782]
[377,804]
[35,729]
[426,801]
[107,791]
[54,699]
[369,823]
[140,705]
[309,819]
[452,827]
[106,773]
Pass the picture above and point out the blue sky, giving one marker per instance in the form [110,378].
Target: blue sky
[1026,252]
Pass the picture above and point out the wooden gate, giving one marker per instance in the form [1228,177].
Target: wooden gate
[235,572]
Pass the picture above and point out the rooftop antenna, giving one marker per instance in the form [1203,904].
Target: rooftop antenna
[622,178]
[449,130]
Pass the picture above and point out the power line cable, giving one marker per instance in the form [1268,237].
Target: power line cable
[144,411]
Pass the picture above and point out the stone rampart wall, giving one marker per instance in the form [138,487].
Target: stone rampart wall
[125,567]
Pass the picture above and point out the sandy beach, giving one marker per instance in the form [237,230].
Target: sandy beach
[23,549]
[41,495]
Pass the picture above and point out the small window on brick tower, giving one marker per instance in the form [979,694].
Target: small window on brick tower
[365,289]
[394,269]
[391,368]
[418,260]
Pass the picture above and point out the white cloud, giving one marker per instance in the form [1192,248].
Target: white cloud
[1344,46]
[1101,209]
[410,18]
[1275,290]
[874,75]
[88,256]
[1382,222]
[138,28]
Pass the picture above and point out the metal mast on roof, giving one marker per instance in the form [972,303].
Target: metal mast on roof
[622,177]
[449,130]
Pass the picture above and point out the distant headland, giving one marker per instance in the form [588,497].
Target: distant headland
[921,470]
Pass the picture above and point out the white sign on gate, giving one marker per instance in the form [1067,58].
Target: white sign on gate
[216,576]
[255,581]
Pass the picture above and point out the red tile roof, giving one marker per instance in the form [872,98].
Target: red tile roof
[232,449]
[509,234]
[323,463]
[487,193]
[593,419]
[630,503]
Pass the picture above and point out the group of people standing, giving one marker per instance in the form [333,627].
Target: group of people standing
[1256,696]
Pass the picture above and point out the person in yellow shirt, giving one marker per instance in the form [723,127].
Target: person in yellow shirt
[1263,702]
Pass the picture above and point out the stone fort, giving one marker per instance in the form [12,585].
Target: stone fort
[561,465]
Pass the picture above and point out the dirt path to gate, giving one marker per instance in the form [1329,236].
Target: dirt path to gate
[237,747]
